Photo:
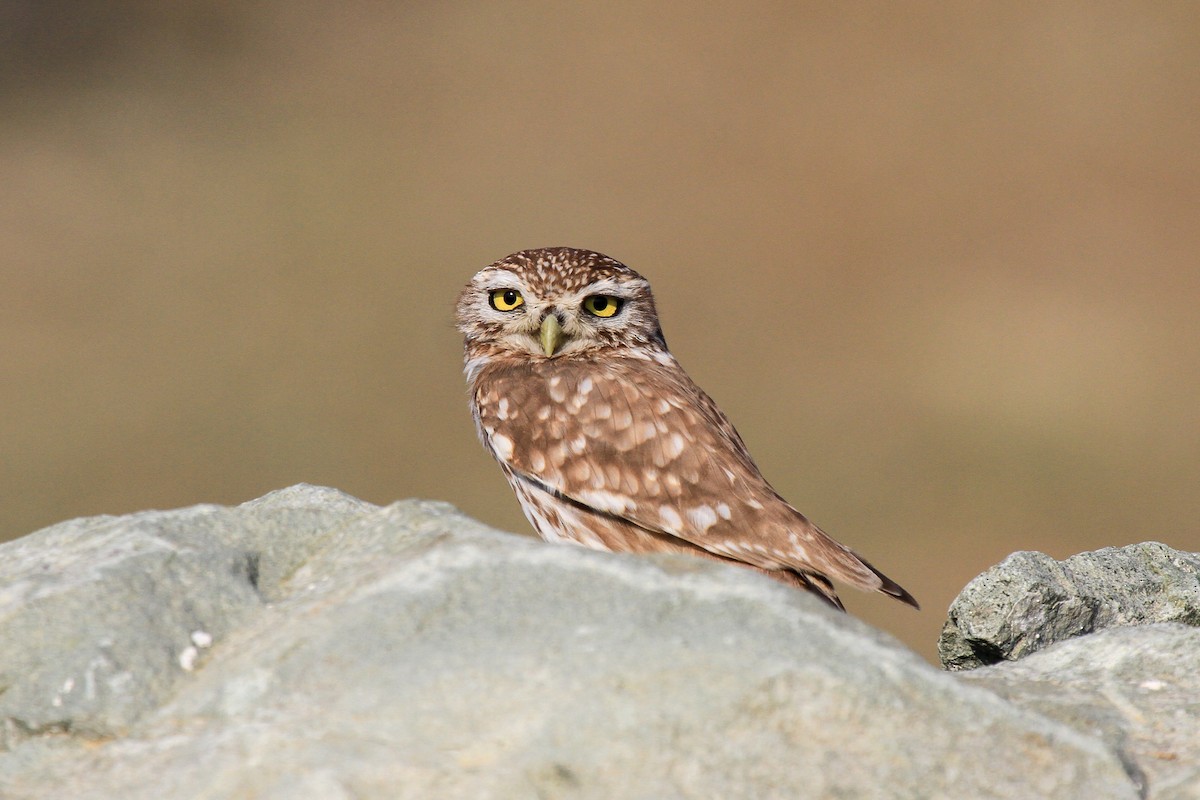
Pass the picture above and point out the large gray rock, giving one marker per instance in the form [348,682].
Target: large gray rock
[1030,601]
[100,617]
[1137,689]
[308,645]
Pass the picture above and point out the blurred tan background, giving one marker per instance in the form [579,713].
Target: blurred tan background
[937,261]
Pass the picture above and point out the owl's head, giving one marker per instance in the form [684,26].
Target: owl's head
[558,302]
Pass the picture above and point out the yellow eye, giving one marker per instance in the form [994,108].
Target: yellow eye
[602,305]
[505,299]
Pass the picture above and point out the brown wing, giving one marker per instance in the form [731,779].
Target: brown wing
[637,440]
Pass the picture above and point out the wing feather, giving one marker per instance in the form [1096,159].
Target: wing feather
[637,440]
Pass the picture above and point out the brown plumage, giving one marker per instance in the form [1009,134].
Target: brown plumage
[606,440]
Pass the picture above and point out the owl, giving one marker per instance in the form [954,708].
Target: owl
[608,443]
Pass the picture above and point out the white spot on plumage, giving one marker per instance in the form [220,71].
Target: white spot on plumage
[798,550]
[578,445]
[543,413]
[650,482]
[609,502]
[613,473]
[703,517]
[670,518]
[502,445]
[585,386]
[724,511]
[502,408]
[675,445]
[625,440]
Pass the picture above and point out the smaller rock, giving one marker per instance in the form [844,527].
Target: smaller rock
[1135,689]
[1030,600]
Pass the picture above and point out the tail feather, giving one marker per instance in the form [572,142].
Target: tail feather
[890,587]
[847,565]
[822,587]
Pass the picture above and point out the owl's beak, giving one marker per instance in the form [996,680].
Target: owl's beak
[551,335]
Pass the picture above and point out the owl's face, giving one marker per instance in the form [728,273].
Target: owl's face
[557,303]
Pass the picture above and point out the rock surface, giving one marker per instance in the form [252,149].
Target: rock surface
[309,645]
[1030,601]
[1137,689]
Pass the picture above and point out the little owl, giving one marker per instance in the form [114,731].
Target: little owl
[607,441]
